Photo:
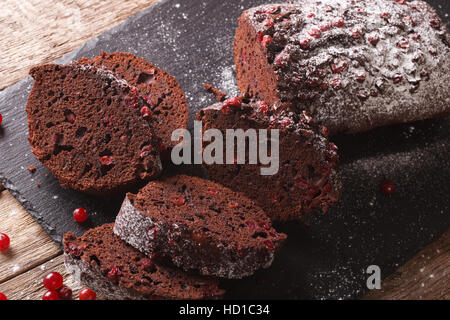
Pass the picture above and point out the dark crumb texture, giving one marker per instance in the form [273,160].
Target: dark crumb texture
[103,262]
[199,225]
[86,127]
[169,108]
[354,65]
[307,178]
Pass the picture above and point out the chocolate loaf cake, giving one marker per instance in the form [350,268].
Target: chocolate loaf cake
[354,65]
[116,271]
[307,178]
[199,225]
[168,105]
[89,129]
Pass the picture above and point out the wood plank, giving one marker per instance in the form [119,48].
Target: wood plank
[28,286]
[30,245]
[42,31]
[425,277]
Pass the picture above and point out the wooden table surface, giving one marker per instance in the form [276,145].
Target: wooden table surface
[37,32]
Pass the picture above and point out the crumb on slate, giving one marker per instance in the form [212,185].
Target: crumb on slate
[32,169]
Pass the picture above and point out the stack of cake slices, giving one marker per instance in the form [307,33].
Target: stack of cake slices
[104,126]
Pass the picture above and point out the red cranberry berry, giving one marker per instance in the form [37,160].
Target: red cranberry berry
[385,15]
[263,107]
[398,78]
[360,76]
[53,281]
[403,44]
[260,36]
[388,187]
[373,39]
[285,122]
[338,65]
[281,59]
[4,242]
[363,95]
[233,102]
[51,295]
[402,2]
[269,22]
[269,245]
[233,204]
[3,297]
[65,293]
[333,147]
[266,40]
[1,118]
[80,215]
[272,10]
[314,32]
[146,113]
[310,15]
[114,274]
[305,42]
[338,23]
[336,83]
[106,160]
[325,27]
[356,33]
[87,294]
[327,187]
[435,23]
[325,131]
[179,201]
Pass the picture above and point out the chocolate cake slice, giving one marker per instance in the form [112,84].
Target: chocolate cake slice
[354,65]
[116,271]
[89,129]
[307,178]
[199,225]
[169,108]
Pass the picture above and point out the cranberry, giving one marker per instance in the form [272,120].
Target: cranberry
[310,15]
[145,151]
[403,44]
[179,201]
[51,295]
[212,191]
[266,40]
[269,22]
[260,36]
[385,15]
[106,160]
[336,83]
[3,297]
[65,293]
[80,215]
[1,118]
[233,204]
[425,74]
[263,107]
[281,59]
[325,131]
[114,274]
[325,27]
[327,187]
[402,2]
[363,95]
[4,242]
[146,113]
[314,32]
[74,250]
[356,33]
[388,187]
[269,245]
[87,294]
[134,91]
[305,42]
[435,23]
[285,122]
[233,102]
[338,65]
[398,78]
[360,76]
[374,39]
[272,10]
[53,281]
[147,264]
[333,147]
[338,23]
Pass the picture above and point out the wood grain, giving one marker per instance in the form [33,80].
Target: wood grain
[425,277]
[28,286]
[30,245]
[39,32]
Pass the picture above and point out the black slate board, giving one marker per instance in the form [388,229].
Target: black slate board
[326,256]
